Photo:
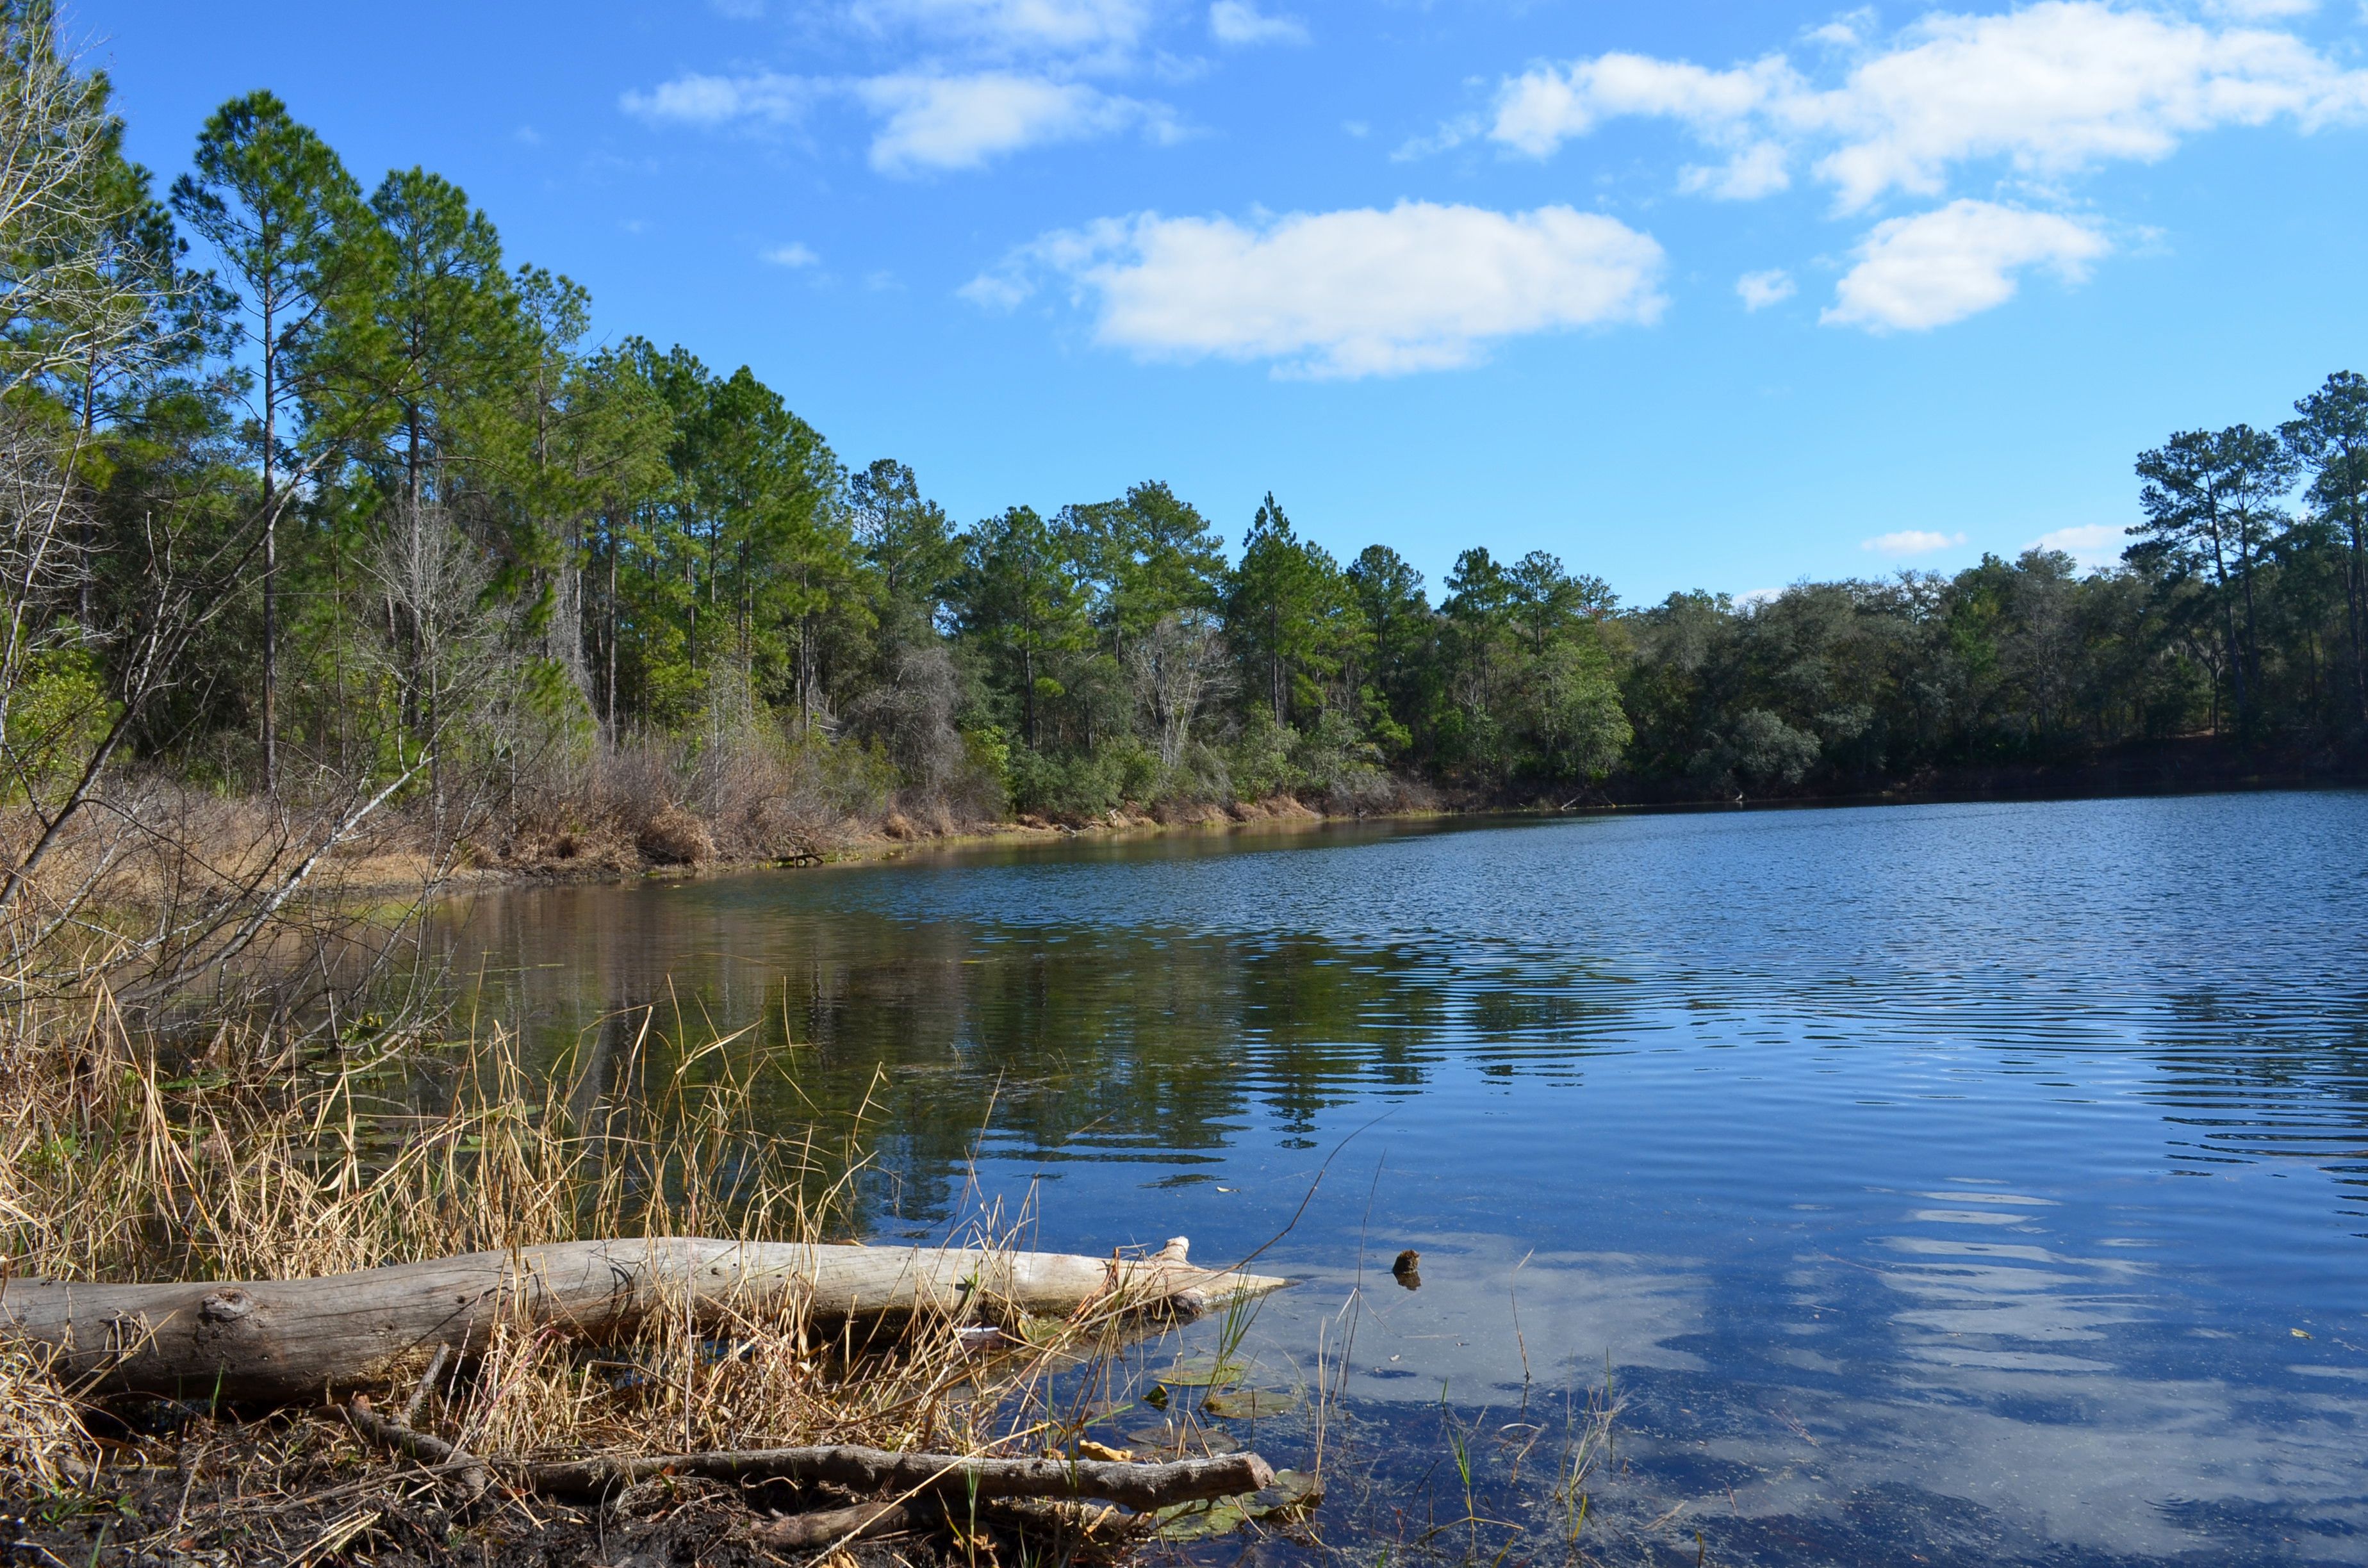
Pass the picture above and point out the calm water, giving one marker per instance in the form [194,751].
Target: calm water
[1951,1183]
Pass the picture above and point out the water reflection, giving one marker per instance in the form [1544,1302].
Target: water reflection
[1970,1183]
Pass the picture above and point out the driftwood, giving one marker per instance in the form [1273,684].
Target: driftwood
[825,1527]
[877,1470]
[278,1341]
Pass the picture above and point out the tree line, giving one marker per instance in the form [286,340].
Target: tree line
[315,493]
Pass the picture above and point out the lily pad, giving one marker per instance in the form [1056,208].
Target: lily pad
[1203,1372]
[1199,1521]
[1293,1492]
[1293,1489]
[1250,1404]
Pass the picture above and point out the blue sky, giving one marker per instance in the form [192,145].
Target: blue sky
[1693,295]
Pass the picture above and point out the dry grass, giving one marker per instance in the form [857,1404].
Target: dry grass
[247,1157]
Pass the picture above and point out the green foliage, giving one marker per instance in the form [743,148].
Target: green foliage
[1023,601]
[1289,618]
[1334,755]
[55,716]
[1259,763]
[489,549]
[1075,785]
[986,766]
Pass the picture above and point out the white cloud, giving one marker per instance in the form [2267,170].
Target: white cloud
[928,119]
[792,255]
[1454,133]
[966,81]
[1847,31]
[2051,88]
[1911,541]
[1760,289]
[1939,266]
[1759,170]
[959,122]
[1238,22]
[957,82]
[2093,545]
[1016,27]
[696,99]
[1539,111]
[1420,287]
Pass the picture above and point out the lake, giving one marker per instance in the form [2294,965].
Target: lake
[1941,1183]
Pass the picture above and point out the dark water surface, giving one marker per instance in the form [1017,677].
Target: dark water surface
[1947,1183]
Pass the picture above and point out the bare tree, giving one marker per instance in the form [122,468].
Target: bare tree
[64,206]
[911,714]
[89,841]
[1176,667]
[446,646]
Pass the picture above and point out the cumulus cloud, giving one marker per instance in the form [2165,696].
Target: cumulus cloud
[1943,266]
[1911,541]
[2093,545]
[2051,89]
[1760,289]
[1420,286]
[1238,22]
[696,99]
[961,122]
[792,255]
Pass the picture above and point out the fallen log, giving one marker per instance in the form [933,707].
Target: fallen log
[877,1470]
[277,1341]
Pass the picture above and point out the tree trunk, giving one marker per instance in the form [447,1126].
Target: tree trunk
[281,1340]
[1028,691]
[270,568]
[2235,653]
[612,628]
[2351,633]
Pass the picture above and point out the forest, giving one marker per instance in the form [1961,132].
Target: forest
[319,499]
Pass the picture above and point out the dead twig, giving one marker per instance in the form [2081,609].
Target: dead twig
[463,1466]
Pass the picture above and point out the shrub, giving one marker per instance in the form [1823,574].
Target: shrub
[674,837]
[1259,762]
[1070,787]
[1761,749]
[981,789]
[1333,754]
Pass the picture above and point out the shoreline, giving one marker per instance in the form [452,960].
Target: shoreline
[1283,815]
